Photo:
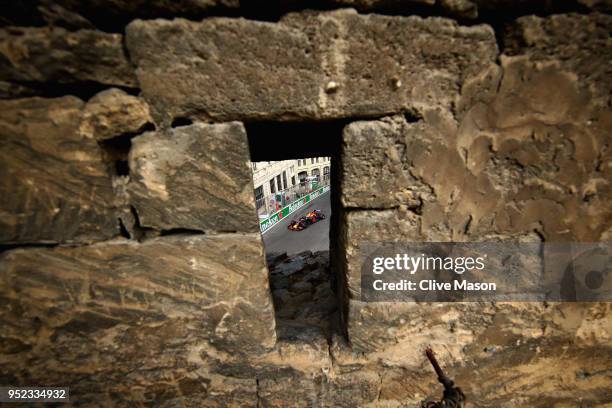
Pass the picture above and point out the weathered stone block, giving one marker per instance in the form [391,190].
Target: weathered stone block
[54,184]
[483,343]
[195,177]
[376,157]
[52,54]
[121,316]
[345,390]
[540,144]
[386,326]
[229,392]
[361,228]
[310,65]
[220,68]
[576,43]
[301,351]
[113,113]
[385,64]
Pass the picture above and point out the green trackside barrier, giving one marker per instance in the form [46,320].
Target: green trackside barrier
[269,222]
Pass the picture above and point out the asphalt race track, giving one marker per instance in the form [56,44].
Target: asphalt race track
[314,238]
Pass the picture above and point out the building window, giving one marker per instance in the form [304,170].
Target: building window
[312,161]
[302,176]
[285,179]
[315,173]
[326,173]
[293,180]
[272,188]
[259,197]
[278,183]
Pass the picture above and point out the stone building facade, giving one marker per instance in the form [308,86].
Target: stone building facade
[132,268]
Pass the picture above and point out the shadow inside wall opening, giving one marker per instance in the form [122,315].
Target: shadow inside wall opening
[293,168]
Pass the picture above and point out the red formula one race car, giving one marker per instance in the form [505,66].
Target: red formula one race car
[315,215]
[305,221]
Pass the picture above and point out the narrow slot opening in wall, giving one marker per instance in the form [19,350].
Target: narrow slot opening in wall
[295,190]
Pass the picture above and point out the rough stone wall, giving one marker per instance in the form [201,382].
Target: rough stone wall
[524,154]
[129,318]
[141,248]
[132,269]
[125,278]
